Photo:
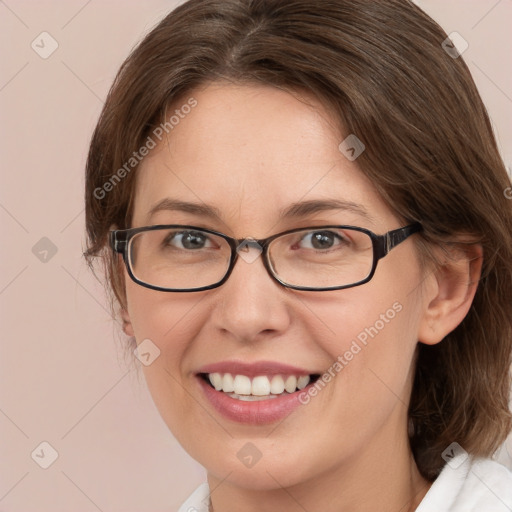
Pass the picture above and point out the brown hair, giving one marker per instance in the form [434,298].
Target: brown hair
[430,152]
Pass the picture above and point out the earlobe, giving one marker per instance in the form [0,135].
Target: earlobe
[453,289]
[127,324]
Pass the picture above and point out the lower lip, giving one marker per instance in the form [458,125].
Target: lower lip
[260,412]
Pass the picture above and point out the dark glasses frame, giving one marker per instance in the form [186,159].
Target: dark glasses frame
[119,241]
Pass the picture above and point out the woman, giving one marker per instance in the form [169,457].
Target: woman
[303,218]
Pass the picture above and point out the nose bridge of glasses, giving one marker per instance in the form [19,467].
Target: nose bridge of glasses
[249,249]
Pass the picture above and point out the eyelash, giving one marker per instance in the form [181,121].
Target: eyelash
[340,239]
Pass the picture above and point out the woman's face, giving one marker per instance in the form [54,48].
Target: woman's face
[251,152]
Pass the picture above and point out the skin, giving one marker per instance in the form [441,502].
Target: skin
[251,151]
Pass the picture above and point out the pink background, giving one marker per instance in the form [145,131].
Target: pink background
[63,376]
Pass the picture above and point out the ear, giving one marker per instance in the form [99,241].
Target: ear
[125,316]
[453,287]
[127,324]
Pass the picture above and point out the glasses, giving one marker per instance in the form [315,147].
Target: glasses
[182,258]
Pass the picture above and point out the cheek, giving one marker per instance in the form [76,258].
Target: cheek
[166,318]
[170,322]
[165,323]
[364,319]
[368,337]
[370,334]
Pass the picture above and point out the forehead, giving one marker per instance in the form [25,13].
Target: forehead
[251,152]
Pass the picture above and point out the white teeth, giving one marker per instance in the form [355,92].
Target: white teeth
[242,385]
[303,381]
[260,386]
[277,385]
[216,380]
[250,398]
[227,383]
[290,384]
[243,388]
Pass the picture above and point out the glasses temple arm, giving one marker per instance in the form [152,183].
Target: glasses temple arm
[397,236]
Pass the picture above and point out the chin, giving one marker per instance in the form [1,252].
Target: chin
[262,476]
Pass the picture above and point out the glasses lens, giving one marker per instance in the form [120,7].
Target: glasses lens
[178,258]
[322,258]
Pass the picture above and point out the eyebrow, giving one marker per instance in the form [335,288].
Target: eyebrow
[304,208]
[295,210]
[203,210]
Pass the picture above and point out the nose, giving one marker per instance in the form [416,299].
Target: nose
[251,305]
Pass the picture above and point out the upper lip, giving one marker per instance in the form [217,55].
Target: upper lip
[254,369]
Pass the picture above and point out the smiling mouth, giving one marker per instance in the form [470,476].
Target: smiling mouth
[242,387]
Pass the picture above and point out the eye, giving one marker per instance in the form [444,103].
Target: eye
[189,240]
[321,240]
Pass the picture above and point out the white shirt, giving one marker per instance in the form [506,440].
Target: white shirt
[464,485]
